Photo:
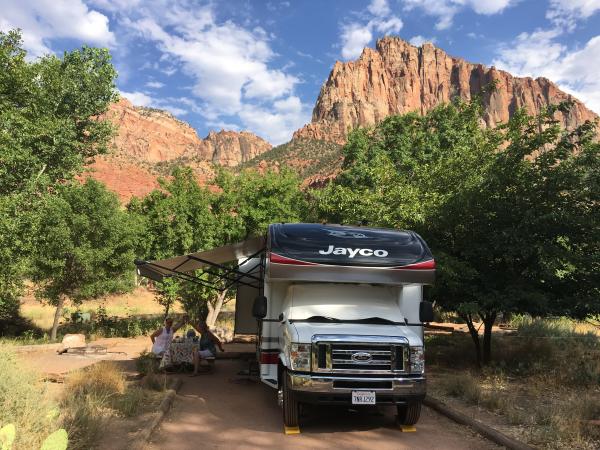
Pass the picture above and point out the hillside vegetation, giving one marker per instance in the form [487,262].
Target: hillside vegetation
[306,157]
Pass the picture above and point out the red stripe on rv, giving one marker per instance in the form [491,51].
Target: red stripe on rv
[269,358]
[278,259]
[425,265]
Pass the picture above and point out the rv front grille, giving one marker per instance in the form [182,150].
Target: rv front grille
[359,357]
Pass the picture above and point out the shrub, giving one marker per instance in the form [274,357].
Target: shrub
[112,326]
[102,380]
[146,363]
[88,397]
[24,402]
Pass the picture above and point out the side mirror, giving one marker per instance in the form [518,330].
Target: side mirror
[259,308]
[425,312]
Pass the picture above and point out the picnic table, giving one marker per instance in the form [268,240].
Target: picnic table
[179,352]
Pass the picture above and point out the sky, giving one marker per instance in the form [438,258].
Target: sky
[258,65]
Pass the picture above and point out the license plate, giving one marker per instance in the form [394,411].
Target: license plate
[363,397]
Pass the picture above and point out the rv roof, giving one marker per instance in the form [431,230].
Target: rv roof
[302,244]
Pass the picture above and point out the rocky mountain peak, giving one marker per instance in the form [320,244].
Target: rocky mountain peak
[396,77]
[148,137]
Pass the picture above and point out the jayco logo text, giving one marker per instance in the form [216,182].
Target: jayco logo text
[352,252]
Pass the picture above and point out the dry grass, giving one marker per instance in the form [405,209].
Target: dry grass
[140,301]
[546,416]
[545,379]
[95,394]
[25,402]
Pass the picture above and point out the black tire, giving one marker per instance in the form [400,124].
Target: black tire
[290,404]
[409,414]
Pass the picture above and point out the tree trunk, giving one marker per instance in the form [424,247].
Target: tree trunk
[488,323]
[475,336]
[215,309]
[209,316]
[57,314]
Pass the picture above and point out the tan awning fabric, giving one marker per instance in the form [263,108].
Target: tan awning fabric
[188,263]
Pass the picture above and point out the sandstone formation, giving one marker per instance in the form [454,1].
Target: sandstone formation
[150,140]
[153,135]
[397,78]
[230,148]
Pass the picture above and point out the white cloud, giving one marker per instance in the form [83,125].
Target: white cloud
[138,98]
[566,13]
[445,10]
[154,84]
[419,40]
[232,66]
[539,54]
[278,121]
[355,38]
[45,20]
[379,8]
[357,35]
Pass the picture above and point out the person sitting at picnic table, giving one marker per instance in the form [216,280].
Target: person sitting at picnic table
[161,338]
[208,345]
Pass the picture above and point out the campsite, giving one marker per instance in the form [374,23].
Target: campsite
[219,230]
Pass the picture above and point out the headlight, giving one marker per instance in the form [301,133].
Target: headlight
[417,360]
[300,357]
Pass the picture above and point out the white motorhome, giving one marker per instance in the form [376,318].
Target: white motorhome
[338,312]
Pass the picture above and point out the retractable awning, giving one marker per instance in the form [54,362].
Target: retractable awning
[210,261]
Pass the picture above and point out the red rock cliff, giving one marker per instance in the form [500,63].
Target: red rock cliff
[148,136]
[153,135]
[397,78]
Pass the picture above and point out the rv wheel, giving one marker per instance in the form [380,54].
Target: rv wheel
[290,404]
[409,414]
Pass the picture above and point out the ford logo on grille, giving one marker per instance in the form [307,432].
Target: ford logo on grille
[361,357]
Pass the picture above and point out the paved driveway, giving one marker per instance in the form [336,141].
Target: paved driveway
[224,411]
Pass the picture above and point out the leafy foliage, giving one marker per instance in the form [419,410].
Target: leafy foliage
[48,112]
[85,245]
[50,126]
[249,202]
[175,219]
[167,293]
[306,157]
[183,217]
[510,213]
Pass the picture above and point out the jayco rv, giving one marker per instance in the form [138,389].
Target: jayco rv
[338,311]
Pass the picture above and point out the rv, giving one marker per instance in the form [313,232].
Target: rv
[338,312]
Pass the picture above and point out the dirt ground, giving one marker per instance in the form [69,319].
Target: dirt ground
[118,349]
[226,411]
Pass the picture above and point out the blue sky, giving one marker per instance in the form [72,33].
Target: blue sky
[258,65]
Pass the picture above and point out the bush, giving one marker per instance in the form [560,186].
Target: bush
[24,402]
[554,349]
[146,363]
[92,395]
[102,381]
[112,326]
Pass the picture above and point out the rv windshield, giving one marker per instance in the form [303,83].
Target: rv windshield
[329,302]
[369,320]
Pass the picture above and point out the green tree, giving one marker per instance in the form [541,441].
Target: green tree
[167,293]
[204,302]
[509,212]
[249,201]
[49,113]
[50,126]
[176,219]
[12,264]
[84,246]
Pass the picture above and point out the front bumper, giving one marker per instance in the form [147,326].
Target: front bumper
[338,390]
